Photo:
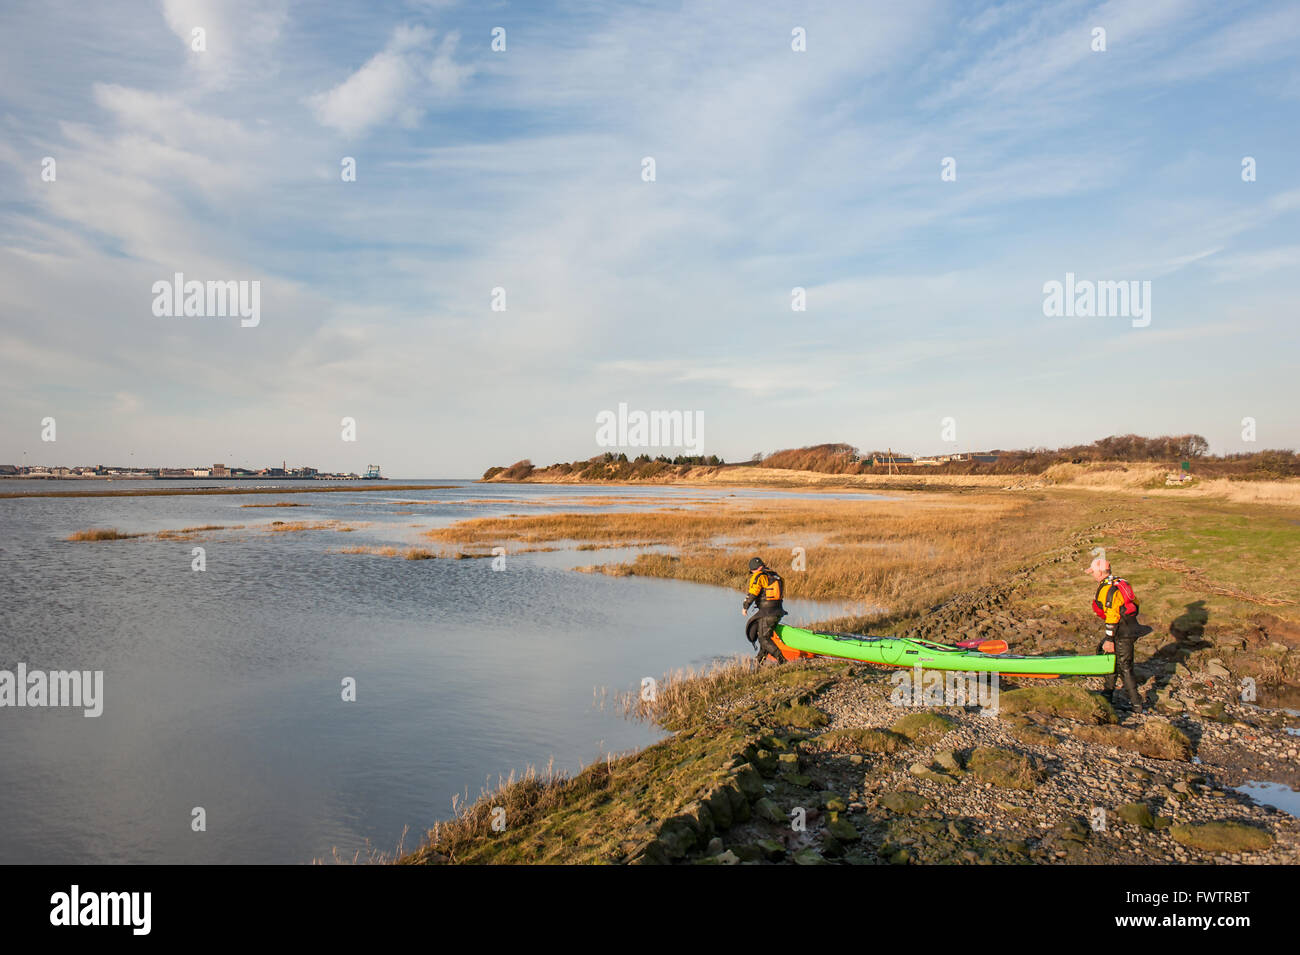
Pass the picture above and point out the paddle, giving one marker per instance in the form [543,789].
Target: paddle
[984,646]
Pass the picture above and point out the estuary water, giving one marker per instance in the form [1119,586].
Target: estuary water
[223,688]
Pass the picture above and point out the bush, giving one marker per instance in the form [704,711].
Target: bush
[518,471]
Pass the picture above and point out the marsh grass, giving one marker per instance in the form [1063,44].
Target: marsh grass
[100,534]
[901,554]
[189,533]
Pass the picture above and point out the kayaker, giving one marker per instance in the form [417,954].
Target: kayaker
[1117,606]
[766,588]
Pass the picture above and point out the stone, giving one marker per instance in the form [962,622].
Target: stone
[1137,814]
[769,811]
[808,856]
[843,830]
[833,802]
[948,761]
[1072,829]
[749,781]
[749,853]
[904,803]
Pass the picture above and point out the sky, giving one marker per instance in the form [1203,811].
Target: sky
[921,171]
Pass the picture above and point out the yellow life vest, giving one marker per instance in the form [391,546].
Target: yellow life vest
[765,585]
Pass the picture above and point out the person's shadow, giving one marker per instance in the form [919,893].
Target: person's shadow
[1187,633]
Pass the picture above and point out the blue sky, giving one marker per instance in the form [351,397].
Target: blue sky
[521,169]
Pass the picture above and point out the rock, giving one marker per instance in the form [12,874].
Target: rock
[1072,829]
[808,856]
[1137,814]
[1003,768]
[832,848]
[749,781]
[769,811]
[832,802]
[714,847]
[1222,836]
[770,849]
[652,854]
[718,804]
[947,760]
[904,803]
[843,830]
[749,853]
[675,843]
[725,858]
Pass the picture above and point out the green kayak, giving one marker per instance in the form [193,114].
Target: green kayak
[898,652]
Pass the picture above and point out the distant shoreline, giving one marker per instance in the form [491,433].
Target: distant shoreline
[164,492]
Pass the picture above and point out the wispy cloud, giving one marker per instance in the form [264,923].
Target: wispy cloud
[396,84]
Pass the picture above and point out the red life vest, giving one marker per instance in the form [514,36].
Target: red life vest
[1118,585]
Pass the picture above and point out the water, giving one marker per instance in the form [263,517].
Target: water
[1277,795]
[223,688]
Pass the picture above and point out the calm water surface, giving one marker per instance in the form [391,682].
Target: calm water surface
[223,687]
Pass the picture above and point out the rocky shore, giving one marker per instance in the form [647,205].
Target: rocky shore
[1042,782]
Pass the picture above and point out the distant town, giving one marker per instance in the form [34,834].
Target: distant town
[215,471]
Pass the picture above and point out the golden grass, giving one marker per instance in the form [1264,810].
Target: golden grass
[364,549]
[100,534]
[903,554]
[680,693]
[188,533]
[284,527]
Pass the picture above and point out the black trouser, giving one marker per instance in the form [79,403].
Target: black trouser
[761,627]
[1124,635]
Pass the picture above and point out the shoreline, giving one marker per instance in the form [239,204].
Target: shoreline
[173,491]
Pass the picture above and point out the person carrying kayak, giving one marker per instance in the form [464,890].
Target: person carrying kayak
[1117,606]
[766,588]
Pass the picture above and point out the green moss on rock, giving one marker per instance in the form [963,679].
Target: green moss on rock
[1222,836]
[1003,768]
[1067,701]
[922,728]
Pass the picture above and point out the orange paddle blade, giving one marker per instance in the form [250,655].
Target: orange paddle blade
[992,646]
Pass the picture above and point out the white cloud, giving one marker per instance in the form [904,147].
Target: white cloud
[394,84]
[239,35]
